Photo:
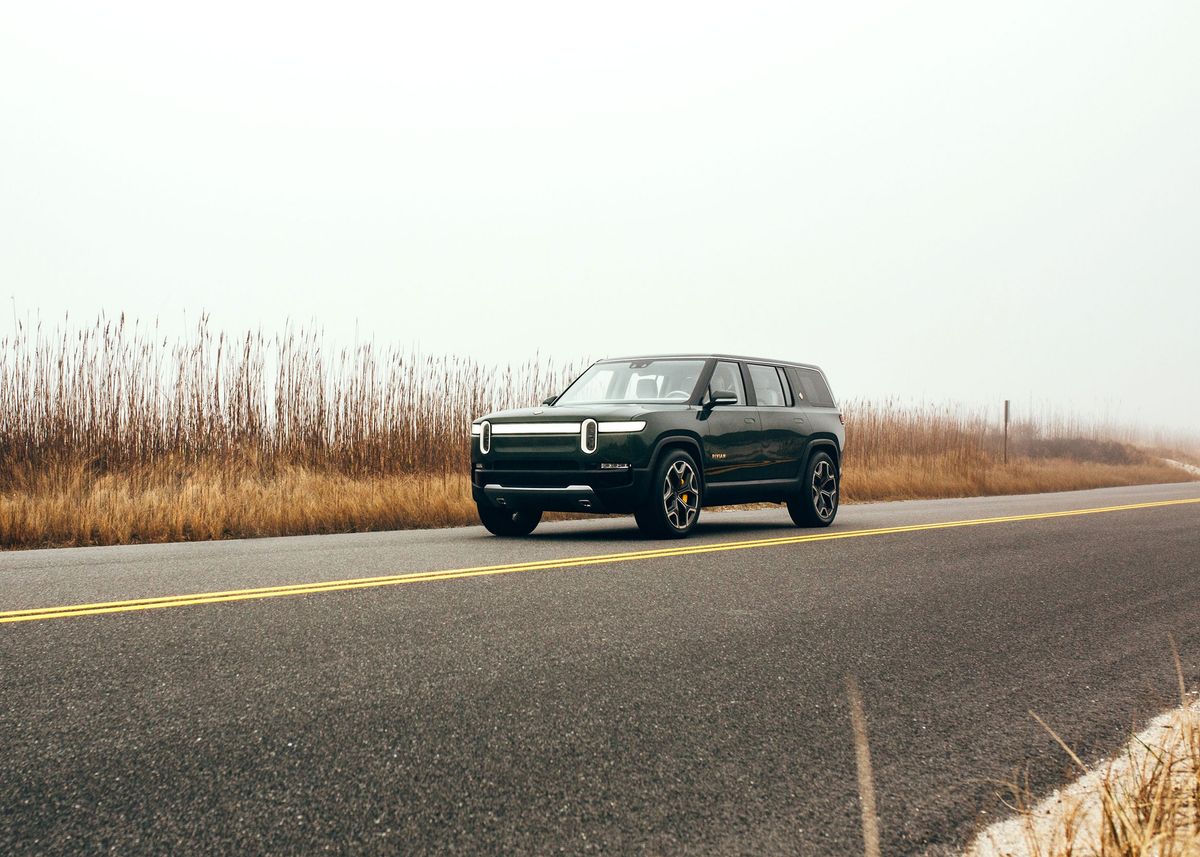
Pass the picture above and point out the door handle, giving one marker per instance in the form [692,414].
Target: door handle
[748,419]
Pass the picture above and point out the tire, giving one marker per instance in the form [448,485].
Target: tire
[502,522]
[673,506]
[816,503]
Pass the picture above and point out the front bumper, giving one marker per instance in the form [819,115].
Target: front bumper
[560,491]
[572,498]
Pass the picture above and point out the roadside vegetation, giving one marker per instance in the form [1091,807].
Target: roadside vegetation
[115,433]
[897,451]
[1143,802]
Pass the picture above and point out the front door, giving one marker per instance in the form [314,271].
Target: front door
[732,443]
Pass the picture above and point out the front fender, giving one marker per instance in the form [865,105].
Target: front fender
[685,440]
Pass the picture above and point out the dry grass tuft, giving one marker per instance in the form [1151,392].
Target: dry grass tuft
[1145,802]
[115,434]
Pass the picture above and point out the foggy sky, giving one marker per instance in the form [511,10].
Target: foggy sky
[932,200]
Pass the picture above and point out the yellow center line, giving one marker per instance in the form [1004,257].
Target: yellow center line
[39,613]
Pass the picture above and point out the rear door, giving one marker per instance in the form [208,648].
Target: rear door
[784,427]
[732,445]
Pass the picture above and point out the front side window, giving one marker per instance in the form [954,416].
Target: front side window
[727,378]
[635,381]
[767,388]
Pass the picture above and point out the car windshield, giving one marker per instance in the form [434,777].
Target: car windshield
[635,381]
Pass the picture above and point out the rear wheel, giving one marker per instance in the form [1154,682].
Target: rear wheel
[673,507]
[502,522]
[816,503]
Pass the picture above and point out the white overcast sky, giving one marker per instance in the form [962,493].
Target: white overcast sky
[934,200]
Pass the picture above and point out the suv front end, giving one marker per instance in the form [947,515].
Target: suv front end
[563,460]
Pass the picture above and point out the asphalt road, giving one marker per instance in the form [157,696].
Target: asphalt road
[688,702]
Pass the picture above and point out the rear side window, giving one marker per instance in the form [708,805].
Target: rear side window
[768,389]
[810,386]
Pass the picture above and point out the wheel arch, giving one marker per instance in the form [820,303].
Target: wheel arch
[679,440]
[822,443]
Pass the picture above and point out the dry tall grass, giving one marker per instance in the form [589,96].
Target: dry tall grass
[115,433]
[117,395]
[896,451]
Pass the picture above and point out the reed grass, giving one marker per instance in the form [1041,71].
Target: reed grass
[898,451]
[118,395]
[116,432]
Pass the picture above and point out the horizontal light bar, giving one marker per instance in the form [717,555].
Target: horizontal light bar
[476,430]
[616,427]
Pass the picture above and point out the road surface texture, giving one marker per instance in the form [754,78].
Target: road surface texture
[667,702]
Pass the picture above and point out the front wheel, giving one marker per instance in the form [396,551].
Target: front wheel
[816,503]
[502,522]
[673,507]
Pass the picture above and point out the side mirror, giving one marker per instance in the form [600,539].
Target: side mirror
[722,397]
[550,401]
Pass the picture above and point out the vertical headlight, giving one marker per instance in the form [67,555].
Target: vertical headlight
[587,436]
[485,437]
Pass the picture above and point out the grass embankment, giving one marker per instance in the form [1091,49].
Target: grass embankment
[111,435]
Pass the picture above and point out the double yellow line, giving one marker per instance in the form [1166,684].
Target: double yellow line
[40,613]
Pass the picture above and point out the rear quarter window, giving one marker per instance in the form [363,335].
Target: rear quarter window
[810,385]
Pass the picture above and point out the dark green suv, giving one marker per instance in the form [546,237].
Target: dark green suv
[664,437]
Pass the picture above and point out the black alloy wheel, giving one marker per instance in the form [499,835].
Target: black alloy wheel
[816,503]
[673,507]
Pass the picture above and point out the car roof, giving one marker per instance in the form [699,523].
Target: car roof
[694,356]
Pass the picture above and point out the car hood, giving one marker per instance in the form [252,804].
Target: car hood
[576,413]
